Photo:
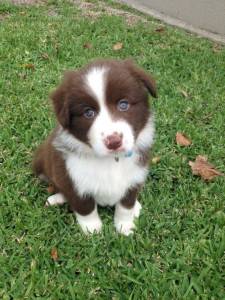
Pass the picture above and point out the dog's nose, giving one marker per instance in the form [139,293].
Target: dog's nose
[114,141]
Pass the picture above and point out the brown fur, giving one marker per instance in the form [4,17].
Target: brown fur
[48,161]
[129,199]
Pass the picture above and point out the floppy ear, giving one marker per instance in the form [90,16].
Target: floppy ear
[142,76]
[60,101]
[60,106]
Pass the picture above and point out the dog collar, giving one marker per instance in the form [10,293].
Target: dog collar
[127,154]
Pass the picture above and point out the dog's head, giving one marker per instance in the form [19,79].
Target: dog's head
[105,105]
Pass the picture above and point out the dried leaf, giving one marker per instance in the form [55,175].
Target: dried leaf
[217,48]
[160,29]
[29,66]
[184,93]
[117,46]
[182,139]
[45,56]
[203,168]
[50,189]
[87,46]
[156,159]
[54,254]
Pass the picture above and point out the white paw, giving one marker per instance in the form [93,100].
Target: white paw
[90,223]
[125,228]
[124,218]
[137,209]
[56,199]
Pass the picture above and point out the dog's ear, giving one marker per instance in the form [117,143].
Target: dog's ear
[60,101]
[60,106]
[142,76]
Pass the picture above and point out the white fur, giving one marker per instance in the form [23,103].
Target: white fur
[56,199]
[104,126]
[104,178]
[95,81]
[67,143]
[146,136]
[124,218]
[90,223]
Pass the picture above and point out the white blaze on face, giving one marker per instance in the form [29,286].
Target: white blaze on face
[104,125]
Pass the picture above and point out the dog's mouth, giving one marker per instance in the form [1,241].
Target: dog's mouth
[117,151]
[121,152]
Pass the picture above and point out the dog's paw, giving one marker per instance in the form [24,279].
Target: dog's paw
[56,199]
[124,218]
[125,227]
[91,226]
[90,223]
[137,209]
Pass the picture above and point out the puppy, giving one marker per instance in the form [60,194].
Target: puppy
[98,153]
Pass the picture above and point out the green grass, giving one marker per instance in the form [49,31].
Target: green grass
[178,249]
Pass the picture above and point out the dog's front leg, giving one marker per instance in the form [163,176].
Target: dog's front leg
[90,222]
[85,210]
[126,211]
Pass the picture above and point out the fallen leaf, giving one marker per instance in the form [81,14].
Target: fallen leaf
[117,46]
[203,168]
[45,56]
[29,66]
[182,139]
[216,48]
[160,29]
[87,46]
[50,189]
[54,254]
[156,159]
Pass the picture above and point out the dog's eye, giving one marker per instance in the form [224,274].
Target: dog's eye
[123,105]
[89,113]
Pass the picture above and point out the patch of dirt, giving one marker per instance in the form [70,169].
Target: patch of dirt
[26,2]
[130,18]
[90,10]
[94,11]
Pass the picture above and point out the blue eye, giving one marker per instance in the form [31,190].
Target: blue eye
[123,105]
[89,113]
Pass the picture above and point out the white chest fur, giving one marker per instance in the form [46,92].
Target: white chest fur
[104,178]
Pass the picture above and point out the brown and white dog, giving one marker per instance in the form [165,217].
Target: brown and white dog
[98,154]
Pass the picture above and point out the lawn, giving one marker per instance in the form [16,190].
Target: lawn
[178,250]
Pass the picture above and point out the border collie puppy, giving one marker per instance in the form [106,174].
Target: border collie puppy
[98,153]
